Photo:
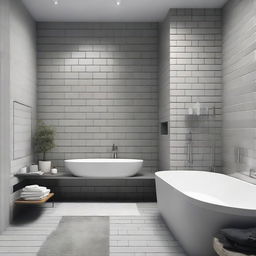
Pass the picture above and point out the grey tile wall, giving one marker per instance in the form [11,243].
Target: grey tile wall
[98,85]
[195,51]
[239,72]
[164,93]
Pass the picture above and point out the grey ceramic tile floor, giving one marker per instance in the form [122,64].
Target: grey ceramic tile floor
[142,234]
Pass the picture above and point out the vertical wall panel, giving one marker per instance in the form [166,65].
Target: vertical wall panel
[239,79]
[4,115]
[22,133]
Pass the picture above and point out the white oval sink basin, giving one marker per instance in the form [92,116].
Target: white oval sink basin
[105,168]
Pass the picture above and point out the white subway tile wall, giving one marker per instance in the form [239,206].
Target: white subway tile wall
[98,85]
[239,80]
[195,75]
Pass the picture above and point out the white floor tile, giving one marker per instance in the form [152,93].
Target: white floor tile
[94,209]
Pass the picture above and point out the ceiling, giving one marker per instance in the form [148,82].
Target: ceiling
[109,11]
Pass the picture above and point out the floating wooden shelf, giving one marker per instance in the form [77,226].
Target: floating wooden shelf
[42,201]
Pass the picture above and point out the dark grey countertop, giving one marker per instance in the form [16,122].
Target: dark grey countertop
[64,175]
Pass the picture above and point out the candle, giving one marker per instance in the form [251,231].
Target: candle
[54,171]
[23,169]
[33,168]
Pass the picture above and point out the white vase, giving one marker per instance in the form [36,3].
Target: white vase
[45,166]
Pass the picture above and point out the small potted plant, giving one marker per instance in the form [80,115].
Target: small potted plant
[43,142]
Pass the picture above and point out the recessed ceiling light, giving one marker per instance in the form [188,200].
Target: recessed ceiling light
[118,2]
[55,2]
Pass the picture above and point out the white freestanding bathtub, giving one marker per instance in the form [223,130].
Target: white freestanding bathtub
[196,205]
[103,168]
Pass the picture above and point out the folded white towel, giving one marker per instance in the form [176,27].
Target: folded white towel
[34,188]
[31,198]
[34,193]
[35,173]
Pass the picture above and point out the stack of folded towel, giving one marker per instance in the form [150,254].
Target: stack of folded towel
[34,192]
[238,240]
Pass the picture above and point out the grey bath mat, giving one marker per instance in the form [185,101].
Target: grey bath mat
[78,236]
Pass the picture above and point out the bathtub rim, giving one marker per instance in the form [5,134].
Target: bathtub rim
[204,204]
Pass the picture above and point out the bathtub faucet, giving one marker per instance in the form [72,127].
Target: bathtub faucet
[114,151]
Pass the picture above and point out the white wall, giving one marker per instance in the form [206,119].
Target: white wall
[98,85]
[239,80]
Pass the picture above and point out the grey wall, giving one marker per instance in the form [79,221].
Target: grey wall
[4,115]
[21,70]
[239,72]
[97,85]
[22,79]
[195,51]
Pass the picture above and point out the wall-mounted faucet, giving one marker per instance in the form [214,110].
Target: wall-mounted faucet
[114,151]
